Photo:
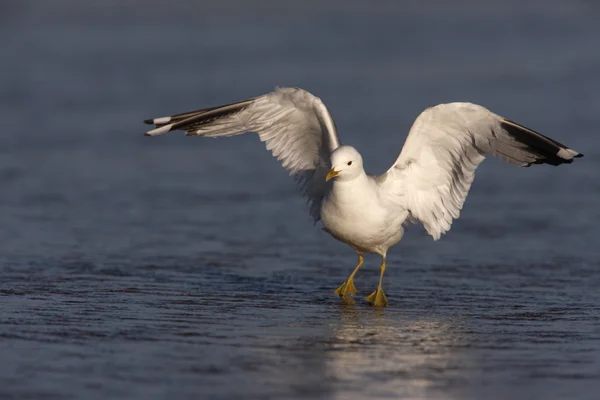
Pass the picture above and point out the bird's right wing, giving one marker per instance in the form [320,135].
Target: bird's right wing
[434,171]
[295,126]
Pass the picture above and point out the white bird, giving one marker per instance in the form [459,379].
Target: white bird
[428,183]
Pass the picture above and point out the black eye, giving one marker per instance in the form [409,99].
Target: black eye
[349,162]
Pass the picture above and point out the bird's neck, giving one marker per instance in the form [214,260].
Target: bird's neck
[351,189]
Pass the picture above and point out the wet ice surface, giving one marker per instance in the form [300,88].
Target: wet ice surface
[178,267]
[173,331]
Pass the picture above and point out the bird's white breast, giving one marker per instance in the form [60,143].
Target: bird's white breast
[355,213]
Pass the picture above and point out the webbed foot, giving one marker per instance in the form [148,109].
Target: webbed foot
[377,298]
[347,288]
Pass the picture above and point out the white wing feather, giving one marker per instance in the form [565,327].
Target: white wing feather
[295,126]
[436,167]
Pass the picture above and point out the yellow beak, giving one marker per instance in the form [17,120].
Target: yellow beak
[332,174]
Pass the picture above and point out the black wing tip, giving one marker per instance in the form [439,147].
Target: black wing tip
[570,160]
[193,119]
[546,148]
[555,161]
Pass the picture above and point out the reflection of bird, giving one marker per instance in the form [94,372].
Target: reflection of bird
[428,182]
[413,357]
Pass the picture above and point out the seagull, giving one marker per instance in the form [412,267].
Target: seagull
[428,182]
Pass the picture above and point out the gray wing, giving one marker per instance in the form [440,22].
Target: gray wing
[434,171]
[295,126]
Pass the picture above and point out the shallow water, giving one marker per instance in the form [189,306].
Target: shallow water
[135,267]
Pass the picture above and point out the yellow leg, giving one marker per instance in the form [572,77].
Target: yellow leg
[377,298]
[347,288]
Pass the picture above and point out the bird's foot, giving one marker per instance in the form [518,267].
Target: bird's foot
[346,289]
[377,298]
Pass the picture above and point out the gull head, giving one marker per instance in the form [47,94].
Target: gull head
[346,164]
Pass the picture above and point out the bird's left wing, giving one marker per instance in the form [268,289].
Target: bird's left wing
[295,126]
[435,169]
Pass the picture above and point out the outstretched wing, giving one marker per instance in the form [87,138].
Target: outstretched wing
[435,169]
[295,126]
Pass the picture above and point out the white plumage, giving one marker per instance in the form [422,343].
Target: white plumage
[428,182]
